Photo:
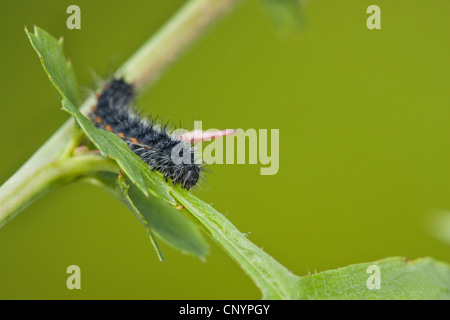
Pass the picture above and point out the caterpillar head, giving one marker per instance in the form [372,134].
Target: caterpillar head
[190,176]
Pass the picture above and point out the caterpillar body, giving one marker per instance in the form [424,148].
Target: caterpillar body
[153,143]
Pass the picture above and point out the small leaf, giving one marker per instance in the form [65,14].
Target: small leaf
[124,187]
[169,224]
[424,278]
[59,70]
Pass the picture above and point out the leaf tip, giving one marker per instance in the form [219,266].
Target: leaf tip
[27,32]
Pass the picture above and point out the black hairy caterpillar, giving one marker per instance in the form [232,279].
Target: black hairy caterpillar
[152,143]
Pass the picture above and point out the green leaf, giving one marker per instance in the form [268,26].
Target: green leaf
[423,278]
[166,222]
[124,187]
[170,224]
[58,69]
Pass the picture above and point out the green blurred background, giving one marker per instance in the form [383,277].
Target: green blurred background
[364,143]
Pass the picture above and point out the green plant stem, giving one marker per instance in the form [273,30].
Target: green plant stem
[50,176]
[13,193]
